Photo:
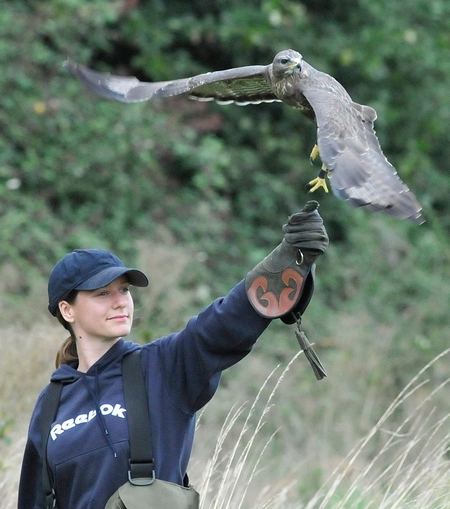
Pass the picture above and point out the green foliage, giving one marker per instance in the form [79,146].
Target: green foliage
[110,168]
[5,426]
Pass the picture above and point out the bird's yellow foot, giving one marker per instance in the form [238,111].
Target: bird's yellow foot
[319,181]
[314,153]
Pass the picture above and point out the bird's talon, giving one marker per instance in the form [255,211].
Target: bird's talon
[317,183]
[314,153]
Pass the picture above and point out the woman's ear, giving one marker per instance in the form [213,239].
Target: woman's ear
[66,311]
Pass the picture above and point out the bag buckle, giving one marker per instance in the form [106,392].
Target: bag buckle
[141,474]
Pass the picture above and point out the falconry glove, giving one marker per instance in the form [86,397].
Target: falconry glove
[281,286]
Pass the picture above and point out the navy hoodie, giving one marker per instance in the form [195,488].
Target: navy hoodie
[88,447]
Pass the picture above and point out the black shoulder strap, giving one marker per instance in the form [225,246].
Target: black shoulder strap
[50,404]
[138,416]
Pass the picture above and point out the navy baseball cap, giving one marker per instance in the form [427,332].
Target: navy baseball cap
[87,269]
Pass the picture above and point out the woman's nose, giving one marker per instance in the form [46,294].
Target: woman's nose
[120,300]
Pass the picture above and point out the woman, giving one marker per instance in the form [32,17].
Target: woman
[89,293]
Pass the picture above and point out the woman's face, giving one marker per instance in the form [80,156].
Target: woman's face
[103,314]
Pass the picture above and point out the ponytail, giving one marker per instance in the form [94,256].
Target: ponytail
[67,353]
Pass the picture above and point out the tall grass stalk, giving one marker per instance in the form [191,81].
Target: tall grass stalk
[234,468]
[410,470]
[417,469]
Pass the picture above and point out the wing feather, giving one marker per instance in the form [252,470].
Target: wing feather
[104,84]
[242,85]
[349,147]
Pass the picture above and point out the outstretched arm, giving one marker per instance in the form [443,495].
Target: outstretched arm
[280,286]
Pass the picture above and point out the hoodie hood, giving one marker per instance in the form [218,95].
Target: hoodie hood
[68,373]
[96,380]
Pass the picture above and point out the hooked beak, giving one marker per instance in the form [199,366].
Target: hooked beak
[296,63]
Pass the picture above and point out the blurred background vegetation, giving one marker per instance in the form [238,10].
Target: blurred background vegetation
[196,193]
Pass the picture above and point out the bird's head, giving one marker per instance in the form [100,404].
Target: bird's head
[287,62]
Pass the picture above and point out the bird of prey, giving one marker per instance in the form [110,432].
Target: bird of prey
[346,141]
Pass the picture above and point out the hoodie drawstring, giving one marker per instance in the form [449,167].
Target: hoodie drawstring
[100,417]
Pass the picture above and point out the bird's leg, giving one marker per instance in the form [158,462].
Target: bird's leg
[320,181]
[314,153]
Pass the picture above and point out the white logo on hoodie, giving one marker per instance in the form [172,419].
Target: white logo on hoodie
[106,409]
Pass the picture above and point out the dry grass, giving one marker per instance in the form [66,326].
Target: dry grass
[25,365]
[169,301]
[409,469]
[226,481]
[289,441]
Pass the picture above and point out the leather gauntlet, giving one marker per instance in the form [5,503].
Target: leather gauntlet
[282,285]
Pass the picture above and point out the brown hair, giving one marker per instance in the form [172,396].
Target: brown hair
[67,353]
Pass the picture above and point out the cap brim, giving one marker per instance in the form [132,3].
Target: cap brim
[107,276]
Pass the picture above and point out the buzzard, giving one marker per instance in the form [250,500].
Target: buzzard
[346,141]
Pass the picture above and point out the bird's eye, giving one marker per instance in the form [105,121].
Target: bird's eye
[284,61]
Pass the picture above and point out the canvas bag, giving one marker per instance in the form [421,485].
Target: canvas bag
[142,490]
[157,495]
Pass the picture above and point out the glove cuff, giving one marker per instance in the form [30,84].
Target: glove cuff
[282,284]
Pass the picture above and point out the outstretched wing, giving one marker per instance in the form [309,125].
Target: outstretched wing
[242,85]
[349,147]
[102,83]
